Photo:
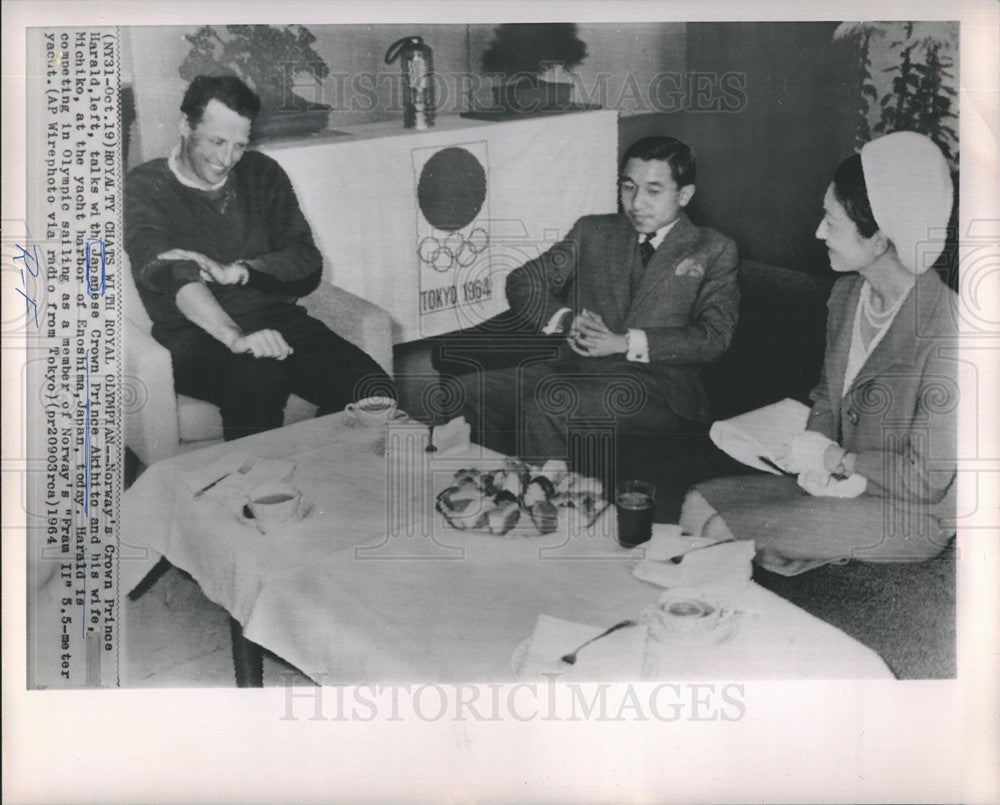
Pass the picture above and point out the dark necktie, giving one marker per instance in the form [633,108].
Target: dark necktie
[646,248]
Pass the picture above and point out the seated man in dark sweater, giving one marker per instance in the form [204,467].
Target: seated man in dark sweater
[220,252]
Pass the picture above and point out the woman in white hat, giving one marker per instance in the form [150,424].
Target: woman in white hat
[875,468]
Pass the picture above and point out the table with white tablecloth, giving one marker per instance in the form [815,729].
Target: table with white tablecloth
[374,586]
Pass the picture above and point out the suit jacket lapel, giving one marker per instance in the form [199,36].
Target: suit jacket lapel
[660,269]
[622,250]
[840,349]
[899,345]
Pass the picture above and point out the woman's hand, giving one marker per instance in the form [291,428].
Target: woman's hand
[808,454]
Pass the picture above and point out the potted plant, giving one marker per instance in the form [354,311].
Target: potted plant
[533,59]
[906,80]
[268,58]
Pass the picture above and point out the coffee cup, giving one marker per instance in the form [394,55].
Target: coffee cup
[274,504]
[374,412]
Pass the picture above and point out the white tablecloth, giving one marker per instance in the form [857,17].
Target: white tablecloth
[375,587]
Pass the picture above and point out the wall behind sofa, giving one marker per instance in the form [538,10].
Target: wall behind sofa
[763,167]
[763,163]
[359,86]
[623,59]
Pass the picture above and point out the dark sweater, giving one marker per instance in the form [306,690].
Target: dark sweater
[254,217]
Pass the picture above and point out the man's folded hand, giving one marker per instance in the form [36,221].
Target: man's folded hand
[262,344]
[211,271]
[590,337]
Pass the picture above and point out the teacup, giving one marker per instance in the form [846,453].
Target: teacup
[374,412]
[274,504]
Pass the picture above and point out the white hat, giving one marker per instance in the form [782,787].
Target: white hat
[910,190]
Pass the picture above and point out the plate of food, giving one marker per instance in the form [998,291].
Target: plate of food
[518,499]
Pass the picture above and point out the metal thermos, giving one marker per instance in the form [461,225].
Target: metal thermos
[417,60]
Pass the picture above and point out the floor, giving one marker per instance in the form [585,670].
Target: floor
[177,638]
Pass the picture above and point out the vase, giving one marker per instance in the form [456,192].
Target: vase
[273,122]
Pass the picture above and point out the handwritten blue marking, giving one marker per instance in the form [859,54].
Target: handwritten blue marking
[29,259]
[86,443]
[28,301]
[100,243]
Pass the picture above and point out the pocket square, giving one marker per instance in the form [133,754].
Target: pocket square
[690,267]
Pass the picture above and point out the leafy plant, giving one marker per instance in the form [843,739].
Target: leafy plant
[533,48]
[266,56]
[918,88]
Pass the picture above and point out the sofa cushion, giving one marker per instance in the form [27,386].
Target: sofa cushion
[777,348]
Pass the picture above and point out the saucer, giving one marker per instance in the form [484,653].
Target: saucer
[245,517]
[691,617]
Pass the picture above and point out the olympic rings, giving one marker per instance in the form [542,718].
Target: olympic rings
[455,248]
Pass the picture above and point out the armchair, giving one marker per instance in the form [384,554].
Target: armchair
[159,423]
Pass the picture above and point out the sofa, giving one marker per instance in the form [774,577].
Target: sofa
[905,612]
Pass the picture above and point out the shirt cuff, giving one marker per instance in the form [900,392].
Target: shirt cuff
[638,346]
[555,321]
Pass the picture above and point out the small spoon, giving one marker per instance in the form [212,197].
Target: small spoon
[680,557]
[569,659]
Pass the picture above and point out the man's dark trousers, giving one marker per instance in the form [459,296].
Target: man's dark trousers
[251,393]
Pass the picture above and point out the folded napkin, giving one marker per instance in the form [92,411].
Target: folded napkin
[726,565]
[453,438]
[619,656]
[826,486]
[670,540]
[227,468]
[766,432]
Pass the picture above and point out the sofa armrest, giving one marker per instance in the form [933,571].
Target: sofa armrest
[357,320]
[148,399]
